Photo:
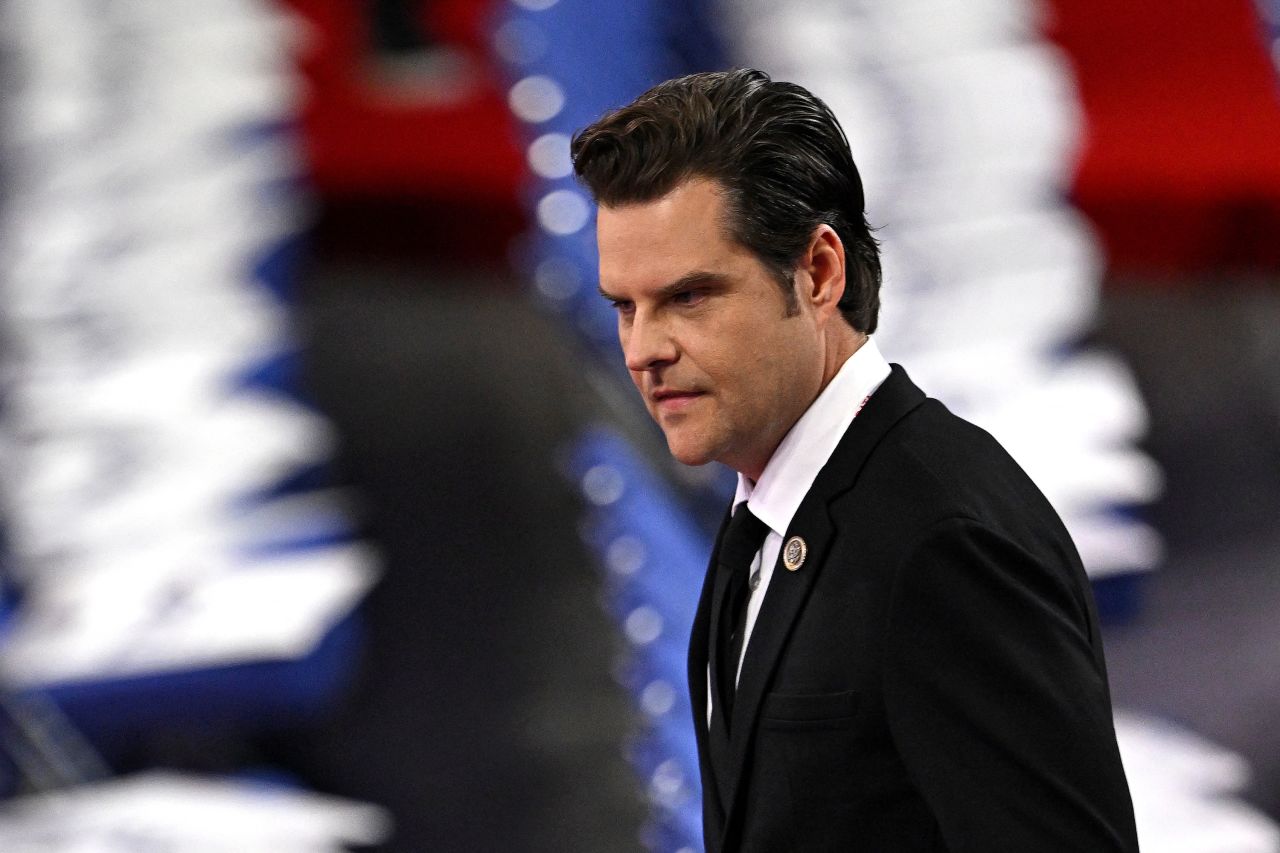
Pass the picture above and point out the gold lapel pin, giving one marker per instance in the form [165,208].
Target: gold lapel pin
[794,552]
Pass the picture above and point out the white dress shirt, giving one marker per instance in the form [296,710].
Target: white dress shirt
[786,479]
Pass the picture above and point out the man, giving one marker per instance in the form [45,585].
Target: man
[896,648]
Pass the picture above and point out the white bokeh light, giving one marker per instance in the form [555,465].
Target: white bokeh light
[667,784]
[536,98]
[602,485]
[520,42]
[625,556]
[643,625]
[557,278]
[658,698]
[563,212]
[548,156]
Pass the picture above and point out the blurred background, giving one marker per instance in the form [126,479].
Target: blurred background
[328,520]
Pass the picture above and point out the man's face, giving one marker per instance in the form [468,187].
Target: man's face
[705,330]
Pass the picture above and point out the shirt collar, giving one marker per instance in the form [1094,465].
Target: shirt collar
[786,479]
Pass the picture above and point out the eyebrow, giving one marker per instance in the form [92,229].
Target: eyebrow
[697,278]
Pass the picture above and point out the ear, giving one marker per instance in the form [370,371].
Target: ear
[823,262]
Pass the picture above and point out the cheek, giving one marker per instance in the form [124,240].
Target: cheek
[734,352]
[760,386]
[737,379]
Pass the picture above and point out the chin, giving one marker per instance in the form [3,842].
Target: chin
[687,454]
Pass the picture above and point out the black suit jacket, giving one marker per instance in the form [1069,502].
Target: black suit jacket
[931,678]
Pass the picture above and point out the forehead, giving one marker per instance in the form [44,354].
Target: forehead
[660,240]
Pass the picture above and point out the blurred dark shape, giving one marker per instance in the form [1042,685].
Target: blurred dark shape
[1206,353]
[484,716]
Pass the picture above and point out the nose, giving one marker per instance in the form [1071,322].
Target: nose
[647,344]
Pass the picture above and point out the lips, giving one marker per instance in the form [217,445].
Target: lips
[674,401]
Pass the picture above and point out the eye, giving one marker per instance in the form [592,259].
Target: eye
[689,297]
[623,306]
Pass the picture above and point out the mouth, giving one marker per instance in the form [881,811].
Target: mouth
[668,401]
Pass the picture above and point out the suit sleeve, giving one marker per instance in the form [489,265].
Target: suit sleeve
[998,701]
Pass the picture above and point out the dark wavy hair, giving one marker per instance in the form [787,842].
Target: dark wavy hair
[776,151]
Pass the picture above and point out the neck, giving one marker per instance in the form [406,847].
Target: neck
[846,342]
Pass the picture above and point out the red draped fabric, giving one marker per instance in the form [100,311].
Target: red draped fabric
[1181,164]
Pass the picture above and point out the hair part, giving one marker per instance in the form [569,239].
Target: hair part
[776,151]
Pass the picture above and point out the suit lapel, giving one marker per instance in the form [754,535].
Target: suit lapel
[788,590]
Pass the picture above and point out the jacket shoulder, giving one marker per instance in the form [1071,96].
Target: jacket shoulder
[934,464]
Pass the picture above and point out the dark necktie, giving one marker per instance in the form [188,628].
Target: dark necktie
[738,549]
